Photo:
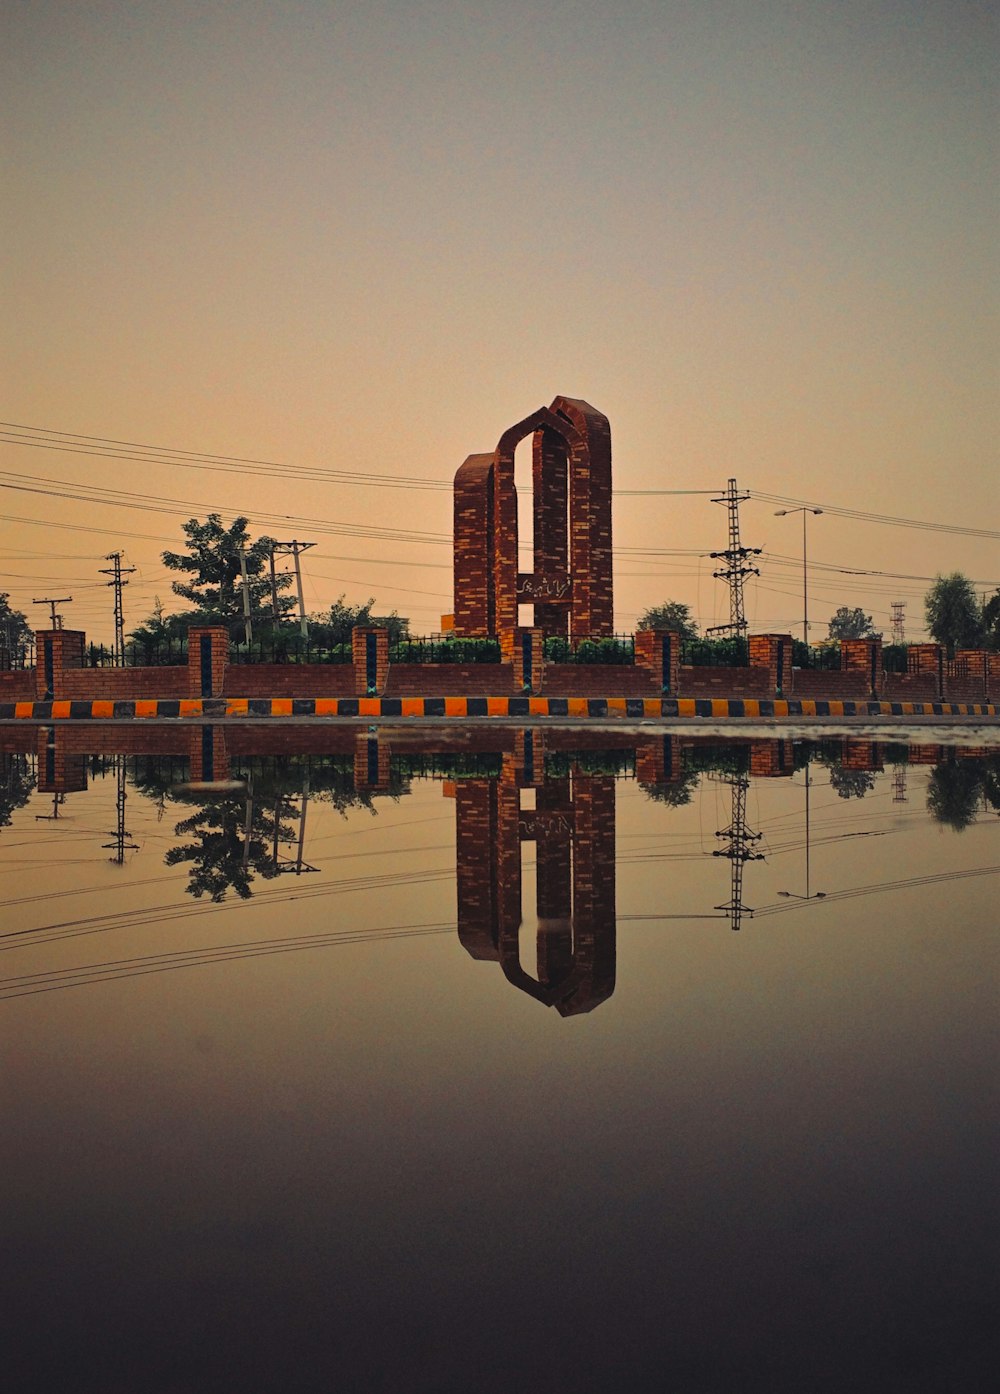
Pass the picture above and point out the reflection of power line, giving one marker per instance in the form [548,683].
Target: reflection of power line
[740,841]
[27,984]
[852,892]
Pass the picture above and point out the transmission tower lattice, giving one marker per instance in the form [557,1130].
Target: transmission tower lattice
[739,850]
[737,568]
[898,606]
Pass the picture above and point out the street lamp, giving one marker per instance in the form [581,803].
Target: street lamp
[783,513]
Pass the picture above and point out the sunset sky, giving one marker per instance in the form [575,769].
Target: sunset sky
[366,238]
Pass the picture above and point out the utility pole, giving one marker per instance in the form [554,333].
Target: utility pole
[60,600]
[116,572]
[736,569]
[247,622]
[292,549]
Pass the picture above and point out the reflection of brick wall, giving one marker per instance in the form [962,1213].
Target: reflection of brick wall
[861,755]
[658,761]
[771,759]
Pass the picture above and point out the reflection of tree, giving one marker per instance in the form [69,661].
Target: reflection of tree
[957,786]
[16,783]
[676,793]
[851,784]
[234,843]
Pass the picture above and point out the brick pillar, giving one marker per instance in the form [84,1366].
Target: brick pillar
[993,675]
[863,656]
[55,651]
[658,652]
[371,762]
[861,755]
[370,650]
[658,761]
[771,759]
[208,658]
[524,649]
[209,755]
[475,845]
[59,770]
[975,665]
[927,661]
[774,652]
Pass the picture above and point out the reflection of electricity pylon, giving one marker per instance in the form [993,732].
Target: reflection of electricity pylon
[899,784]
[739,849]
[298,866]
[120,835]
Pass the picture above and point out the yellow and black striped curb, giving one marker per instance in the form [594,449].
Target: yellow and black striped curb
[464,707]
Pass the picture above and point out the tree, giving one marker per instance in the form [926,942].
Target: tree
[214,565]
[335,627]
[954,616]
[670,615]
[15,635]
[851,624]
[991,622]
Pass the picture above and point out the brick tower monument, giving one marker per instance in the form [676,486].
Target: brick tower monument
[570,584]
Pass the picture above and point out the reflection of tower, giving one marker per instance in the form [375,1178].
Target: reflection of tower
[120,835]
[739,849]
[899,784]
[294,865]
[573,827]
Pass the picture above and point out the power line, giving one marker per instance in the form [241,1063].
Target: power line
[862,515]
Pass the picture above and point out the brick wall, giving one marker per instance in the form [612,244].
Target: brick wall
[290,680]
[451,679]
[97,684]
[17,686]
[698,681]
[810,682]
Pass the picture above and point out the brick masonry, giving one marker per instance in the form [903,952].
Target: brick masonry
[571,583]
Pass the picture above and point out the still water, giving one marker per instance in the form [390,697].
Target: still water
[380,1062]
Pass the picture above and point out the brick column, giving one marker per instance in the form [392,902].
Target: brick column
[993,675]
[658,652]
[524,649]
[658,761]
[863,656]
[370,650]
[55,651]
[59,770]
[774,652]
[371,762]
[208,658]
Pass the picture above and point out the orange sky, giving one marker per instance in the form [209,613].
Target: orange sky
[760,238]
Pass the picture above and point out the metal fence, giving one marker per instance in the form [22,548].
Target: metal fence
[161,653]
[444,650]
[615,650]
[288,649]
[716,653]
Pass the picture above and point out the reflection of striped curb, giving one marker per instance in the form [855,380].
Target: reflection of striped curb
[634,707]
